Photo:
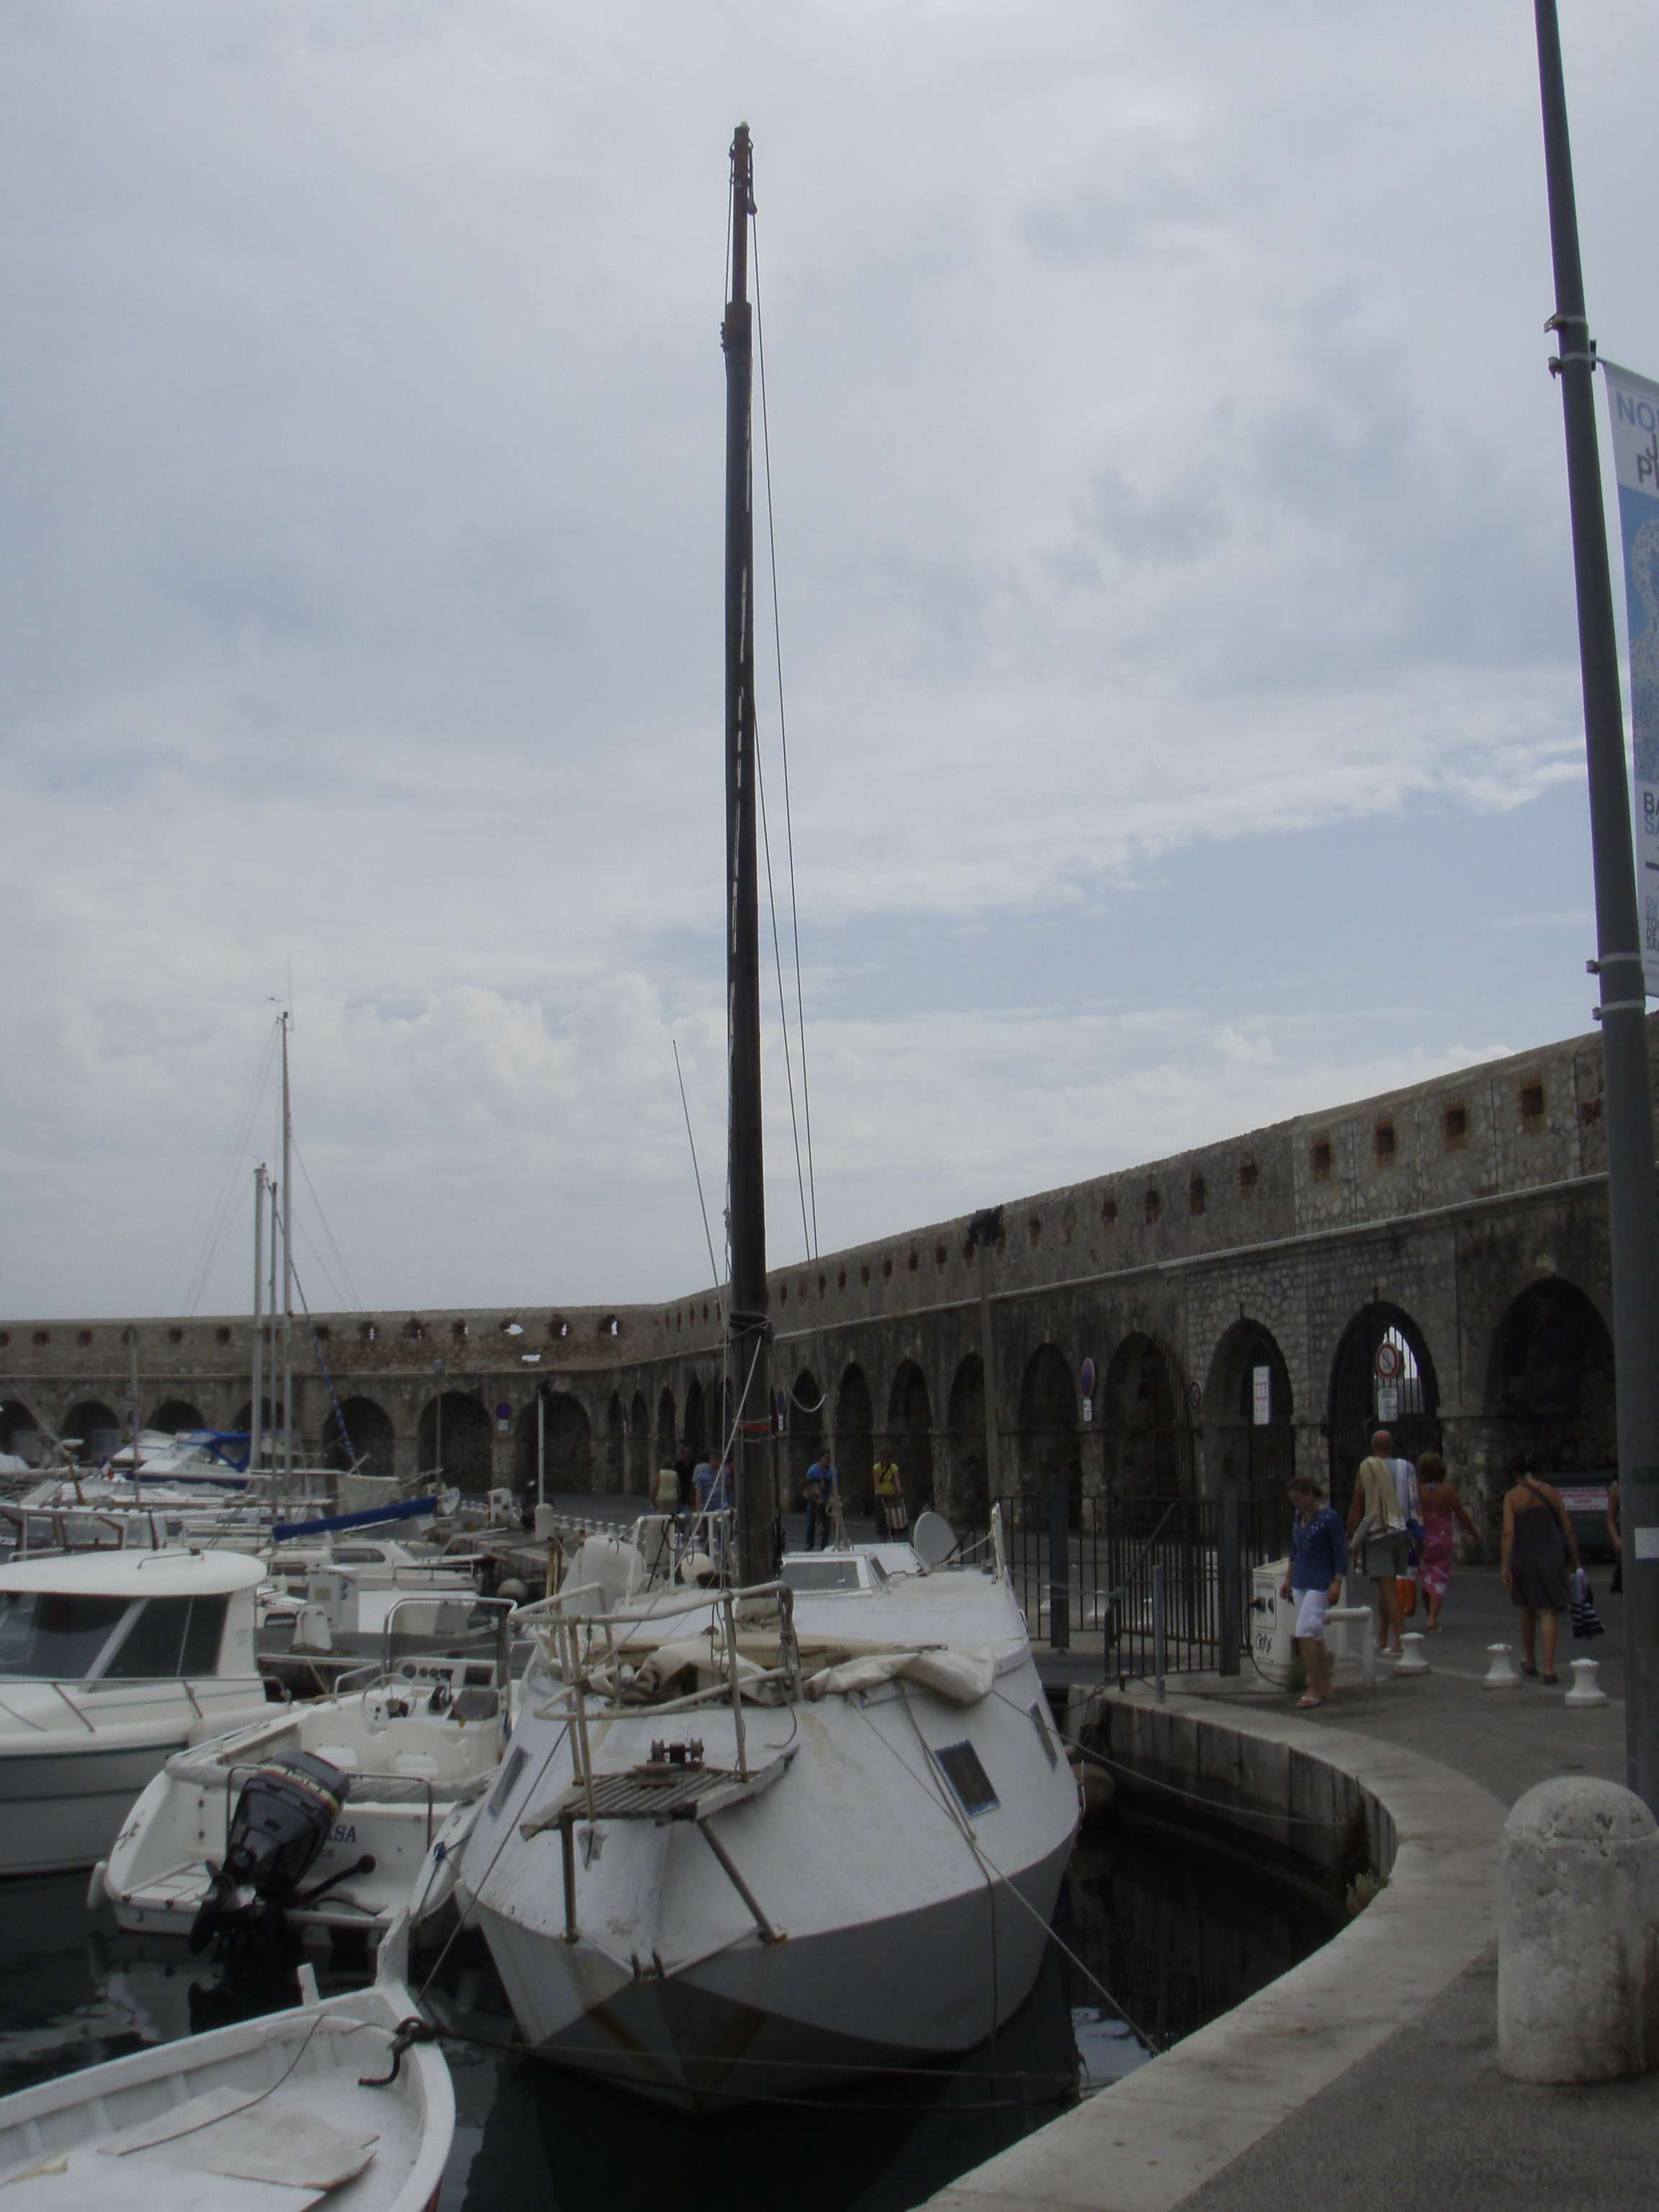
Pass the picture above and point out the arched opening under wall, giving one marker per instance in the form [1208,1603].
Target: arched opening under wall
[569,1446]
[1148,1423]
[456,1449]
[176,1415]
[667,1440]
[20,1432]
[97,1429]
[367,1438]
[613,1473]
[640,1469]
[967,1488]
[694,1431]
[269,1426]
[802,1433]
[1249,1433]
[910,1436]
[1406,1403]
[1551,1382]
[855,1442]
[1049,1446]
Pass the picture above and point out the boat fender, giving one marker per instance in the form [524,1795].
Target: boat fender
[95,1891]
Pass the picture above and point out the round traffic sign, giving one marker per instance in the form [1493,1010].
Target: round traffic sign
[1389,1361]
[1195,1396]
[1088,1378]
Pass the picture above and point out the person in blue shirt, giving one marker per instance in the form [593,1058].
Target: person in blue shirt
[1318,1559]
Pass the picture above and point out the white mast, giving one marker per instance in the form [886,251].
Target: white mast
[287,1264]
[256,1422]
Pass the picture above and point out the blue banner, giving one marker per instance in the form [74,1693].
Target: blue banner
[1633,404]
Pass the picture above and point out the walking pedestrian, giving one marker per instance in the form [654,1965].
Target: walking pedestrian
[684,1492]
[891,1514]
[1319,1560]
[1538,1541]
[818,1489]
[1442,1509]
[1376,1530]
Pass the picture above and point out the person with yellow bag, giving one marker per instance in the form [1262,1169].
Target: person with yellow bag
[891,1508]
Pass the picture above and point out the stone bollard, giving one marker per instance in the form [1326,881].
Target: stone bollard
[1501,1674]
[1411,1660]
[1577,1946]
[1586,1690]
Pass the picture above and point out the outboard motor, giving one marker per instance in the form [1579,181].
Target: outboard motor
[284,1815]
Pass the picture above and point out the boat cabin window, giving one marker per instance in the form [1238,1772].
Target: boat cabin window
[172,1635]
[358,1555]
[830,1571]
[54,1636]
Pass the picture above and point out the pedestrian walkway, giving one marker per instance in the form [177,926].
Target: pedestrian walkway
[1368,2077]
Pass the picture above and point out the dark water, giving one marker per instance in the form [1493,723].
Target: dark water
[1177,1931]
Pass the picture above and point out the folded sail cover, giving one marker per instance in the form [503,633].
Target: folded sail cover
[1633,404]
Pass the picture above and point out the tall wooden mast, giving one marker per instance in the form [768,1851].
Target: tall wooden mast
[747,1325]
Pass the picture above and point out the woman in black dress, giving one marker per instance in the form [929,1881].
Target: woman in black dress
[1538,1542]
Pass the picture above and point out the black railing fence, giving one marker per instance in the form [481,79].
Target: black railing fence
[1164,1581]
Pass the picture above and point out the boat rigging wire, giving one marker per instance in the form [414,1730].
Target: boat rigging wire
[714,1264]
[218,1201]
[356,1303]
[809,1183]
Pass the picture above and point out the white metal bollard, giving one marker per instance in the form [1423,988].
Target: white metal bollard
[1412,1660]
[1585,1689]
[1501,1674]
[1577,1945]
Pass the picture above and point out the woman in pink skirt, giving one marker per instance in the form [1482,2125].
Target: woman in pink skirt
[1441,1509]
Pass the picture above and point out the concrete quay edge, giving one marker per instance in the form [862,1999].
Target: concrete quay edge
[1148,2141]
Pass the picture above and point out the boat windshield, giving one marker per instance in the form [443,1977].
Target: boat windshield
[830,1571]
[54,1636]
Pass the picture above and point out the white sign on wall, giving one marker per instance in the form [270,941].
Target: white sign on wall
[1388,1401]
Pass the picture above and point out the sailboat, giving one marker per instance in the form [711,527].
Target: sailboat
[749,1839]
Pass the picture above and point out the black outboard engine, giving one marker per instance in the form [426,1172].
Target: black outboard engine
[284,1815]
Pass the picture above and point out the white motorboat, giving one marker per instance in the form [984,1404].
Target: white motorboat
[746,1841]
[109,1663]
[410,1757]
[332,2100]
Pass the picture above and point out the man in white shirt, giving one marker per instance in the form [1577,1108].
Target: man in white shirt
[1381,1494]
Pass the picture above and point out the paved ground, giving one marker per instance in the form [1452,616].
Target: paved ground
[1426,2118]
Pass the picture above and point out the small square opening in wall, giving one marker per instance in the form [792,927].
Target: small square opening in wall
[1108,1211]
[1034,1229]
[940,1255]
[1249,1174]
[864,1272]
[783,1295]
[1197,1194]
[1456,1123]
[841,1279]
[1382,1140]
[959,1764]
[1154,1204]
[1532,1107]
[887,1268]
[1319,1160]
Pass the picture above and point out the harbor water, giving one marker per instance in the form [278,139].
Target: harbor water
[1178,1932]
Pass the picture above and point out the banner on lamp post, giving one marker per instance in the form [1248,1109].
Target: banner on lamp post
[1633,405]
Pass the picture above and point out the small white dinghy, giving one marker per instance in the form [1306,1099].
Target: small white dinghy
[330,2101]
[399,1767]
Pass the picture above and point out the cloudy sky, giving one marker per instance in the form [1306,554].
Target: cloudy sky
[1177,633]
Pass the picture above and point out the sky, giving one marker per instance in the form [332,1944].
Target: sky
[1174,597]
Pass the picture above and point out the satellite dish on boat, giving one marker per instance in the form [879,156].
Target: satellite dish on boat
[933,1539]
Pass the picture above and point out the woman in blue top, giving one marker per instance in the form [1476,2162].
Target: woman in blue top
[1319,1560]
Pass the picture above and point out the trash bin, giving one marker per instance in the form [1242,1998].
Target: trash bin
[1272,1624]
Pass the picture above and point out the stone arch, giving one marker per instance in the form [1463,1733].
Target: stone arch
[856,1440]
[615,1469]
[1551,1381]
[803,1432]
[1356,1407]
[1259,1456]
[1148,1430]
[175,1415]
[640,1469]
[910,1435]
[667,1443]
[98,1427]
[569,1445]
[457,1450]
[367,1438]
[1050,1447]
[17,1421]
[694,1419]
[967,1485]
